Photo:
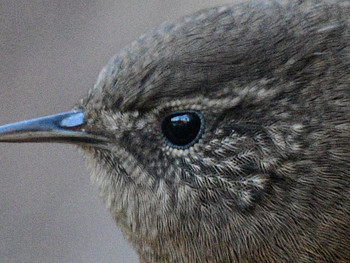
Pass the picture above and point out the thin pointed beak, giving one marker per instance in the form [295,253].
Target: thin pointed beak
[68,127]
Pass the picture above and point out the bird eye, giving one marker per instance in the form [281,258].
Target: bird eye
[182,129]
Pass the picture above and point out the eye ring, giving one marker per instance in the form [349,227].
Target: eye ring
[182,129]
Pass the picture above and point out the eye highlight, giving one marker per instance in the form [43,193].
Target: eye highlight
[182,129]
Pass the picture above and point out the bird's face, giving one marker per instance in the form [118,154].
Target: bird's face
[201,130]
[214,140]
[183,127]
[217,135]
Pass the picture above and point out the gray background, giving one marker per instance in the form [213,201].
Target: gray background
[50,55]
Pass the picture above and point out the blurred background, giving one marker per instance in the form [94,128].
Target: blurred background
[50,55]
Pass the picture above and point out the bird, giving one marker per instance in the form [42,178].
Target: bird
[223,136]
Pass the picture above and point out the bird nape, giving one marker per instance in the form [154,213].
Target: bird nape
[223,136]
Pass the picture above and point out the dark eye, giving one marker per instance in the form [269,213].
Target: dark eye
[182,129]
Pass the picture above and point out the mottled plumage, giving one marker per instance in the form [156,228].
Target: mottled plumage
[269,178]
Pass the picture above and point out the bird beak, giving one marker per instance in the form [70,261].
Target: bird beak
[67,127]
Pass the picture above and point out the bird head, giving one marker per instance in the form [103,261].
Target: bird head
[222,135]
